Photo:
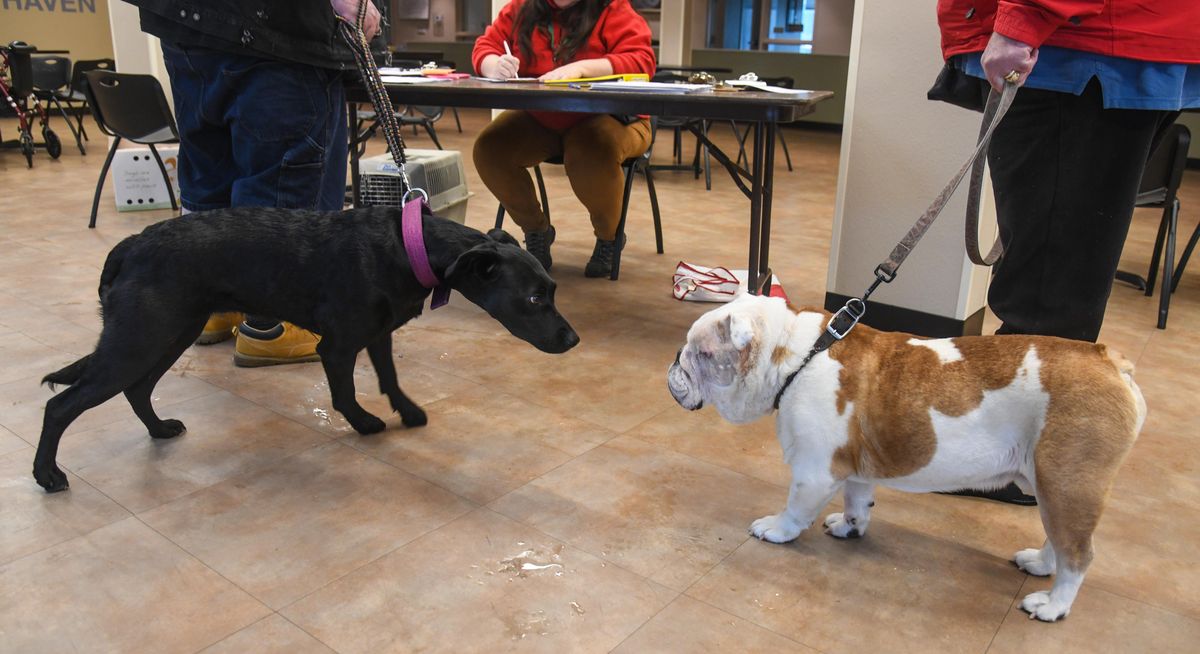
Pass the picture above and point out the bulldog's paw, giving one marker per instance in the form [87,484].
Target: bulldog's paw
[1031,561]
[776,528]
[1039,605]
[839,526]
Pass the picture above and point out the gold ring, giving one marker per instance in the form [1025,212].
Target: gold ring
[1012,77]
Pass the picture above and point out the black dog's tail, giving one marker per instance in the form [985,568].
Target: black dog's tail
[68,375]
[112,265]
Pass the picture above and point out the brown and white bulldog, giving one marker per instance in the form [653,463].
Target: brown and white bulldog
[1053,415]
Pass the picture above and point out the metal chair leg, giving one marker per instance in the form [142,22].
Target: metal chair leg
[100,183]
[658,237]
[428,125]
[457,122]
[541,184]
[1164,299]
[619,246]
[1152,275]
[500,217]
[166,178]
[1183,261]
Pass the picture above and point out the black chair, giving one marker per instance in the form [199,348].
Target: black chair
[416,116]
[52,76]
[631,166]
[74,97]
[677,125]
[131,107]
[1160,185]
[781,82]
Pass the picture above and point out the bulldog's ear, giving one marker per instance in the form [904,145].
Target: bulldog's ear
[501,236]
[740,330]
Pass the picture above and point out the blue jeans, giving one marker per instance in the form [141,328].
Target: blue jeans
[257,132]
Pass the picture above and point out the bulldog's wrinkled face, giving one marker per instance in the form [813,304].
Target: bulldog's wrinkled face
[718,364]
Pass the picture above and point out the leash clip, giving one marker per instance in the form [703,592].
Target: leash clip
[853,311]
[414,191]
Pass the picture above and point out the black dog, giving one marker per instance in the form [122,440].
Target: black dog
[343,275]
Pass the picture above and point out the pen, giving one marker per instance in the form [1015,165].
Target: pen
[507,50]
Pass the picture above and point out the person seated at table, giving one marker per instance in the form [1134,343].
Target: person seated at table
[555,40]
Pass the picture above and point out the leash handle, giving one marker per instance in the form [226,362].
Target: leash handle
[997,106]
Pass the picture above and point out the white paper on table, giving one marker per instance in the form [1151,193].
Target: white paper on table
[762,86]
[392,71]
[405,79]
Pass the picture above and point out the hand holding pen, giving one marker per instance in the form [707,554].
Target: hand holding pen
[503,66]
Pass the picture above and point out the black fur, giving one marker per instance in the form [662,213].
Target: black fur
[343,275]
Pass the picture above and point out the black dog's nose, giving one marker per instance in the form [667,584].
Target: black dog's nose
[570,339]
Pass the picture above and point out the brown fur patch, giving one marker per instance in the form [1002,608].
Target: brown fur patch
[779,355]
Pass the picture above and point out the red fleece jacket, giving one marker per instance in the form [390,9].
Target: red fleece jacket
[1147,30]
[621,35]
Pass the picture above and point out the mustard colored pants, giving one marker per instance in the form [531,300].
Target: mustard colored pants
[592,152]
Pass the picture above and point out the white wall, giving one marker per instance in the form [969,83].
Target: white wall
[898,151]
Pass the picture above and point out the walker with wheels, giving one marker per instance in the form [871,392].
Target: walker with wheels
[17,89]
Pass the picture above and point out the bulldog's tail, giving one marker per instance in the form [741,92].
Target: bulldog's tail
[1125,369]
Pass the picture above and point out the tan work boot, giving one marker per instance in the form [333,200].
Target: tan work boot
[219,327]
[286,343]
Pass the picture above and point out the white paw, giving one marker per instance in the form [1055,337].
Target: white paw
[776,528]
[1031,561]
[1039,605]
[838,526]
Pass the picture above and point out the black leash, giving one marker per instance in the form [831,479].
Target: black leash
[855,308]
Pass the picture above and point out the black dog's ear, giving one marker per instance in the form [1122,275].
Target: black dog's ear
[501,236]
[480,261]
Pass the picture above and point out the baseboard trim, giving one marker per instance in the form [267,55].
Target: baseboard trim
[891,318]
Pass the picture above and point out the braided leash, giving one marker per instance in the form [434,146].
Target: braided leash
[356,38]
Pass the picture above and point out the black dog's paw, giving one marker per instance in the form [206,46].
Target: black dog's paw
[414,417]
[368,424]
[169,428]
[50,478]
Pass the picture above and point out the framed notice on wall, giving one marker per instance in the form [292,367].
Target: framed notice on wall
[412,10]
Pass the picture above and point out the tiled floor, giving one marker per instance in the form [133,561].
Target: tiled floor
[552,504]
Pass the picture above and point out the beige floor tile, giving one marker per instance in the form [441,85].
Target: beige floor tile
[481,584]
[1099,622]
[288,529]
[23,404]
[465,449]
[25,357]
[31,520]
[697,628]
[121,588]
[301,391]
[1146,550]
[896,590]
[10,442]
[271,635]
[226,436]
[663,515]
[751,449]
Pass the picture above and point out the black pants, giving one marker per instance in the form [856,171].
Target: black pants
[1066,173]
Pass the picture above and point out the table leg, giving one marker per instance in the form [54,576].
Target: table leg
[756,207]
[764,249]
[352,138]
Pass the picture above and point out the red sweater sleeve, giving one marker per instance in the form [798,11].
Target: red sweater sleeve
[1033,21]
[626,37]
[493,38]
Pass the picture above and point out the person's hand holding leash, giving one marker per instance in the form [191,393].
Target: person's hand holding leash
[1003,57]
[348,9]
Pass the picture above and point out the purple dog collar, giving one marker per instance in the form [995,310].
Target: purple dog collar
[414,244]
